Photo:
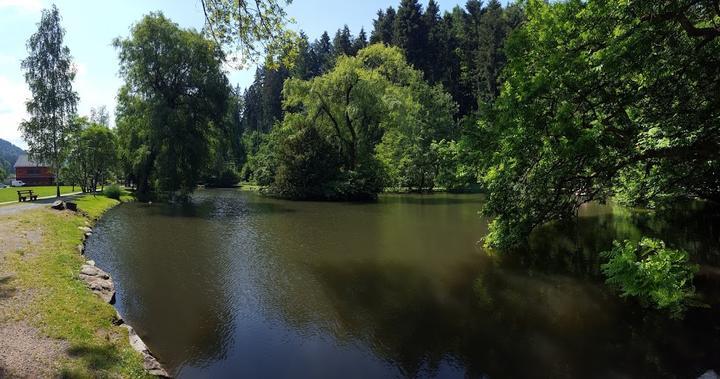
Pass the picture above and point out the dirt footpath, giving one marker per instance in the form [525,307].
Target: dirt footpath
[24,351]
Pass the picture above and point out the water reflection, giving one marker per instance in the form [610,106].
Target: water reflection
[238,285]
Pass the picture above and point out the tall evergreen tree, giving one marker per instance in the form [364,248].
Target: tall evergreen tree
[409,33]
[252,113]
[360,42]
[272,96]
[342,43]
[303,67]
[49,73]
[434,44]
[383,27]
[491,56]
[471,38]
[323,53]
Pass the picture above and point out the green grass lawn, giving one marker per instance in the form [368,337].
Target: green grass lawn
[10,193]
[62,307]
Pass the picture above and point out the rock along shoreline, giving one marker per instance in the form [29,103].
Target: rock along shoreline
[101,284]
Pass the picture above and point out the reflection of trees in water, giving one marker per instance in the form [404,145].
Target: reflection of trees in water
[328,270]
[574,246]
[170,279]
[541,313]
[508,324]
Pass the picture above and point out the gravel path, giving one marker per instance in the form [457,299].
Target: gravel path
[24,351]
[7,209]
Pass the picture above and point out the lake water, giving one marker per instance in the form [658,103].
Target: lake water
[237,285]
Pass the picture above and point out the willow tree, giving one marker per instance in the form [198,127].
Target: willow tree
[49,73]
[368,122]
[603,98]
[171,106]
[248,29]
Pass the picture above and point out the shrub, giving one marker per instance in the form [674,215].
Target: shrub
[653,273]
[113,191]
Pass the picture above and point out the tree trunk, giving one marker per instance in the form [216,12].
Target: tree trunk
[57,181]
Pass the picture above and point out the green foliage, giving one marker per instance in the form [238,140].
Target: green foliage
[3,174]
[455,173]
[113,191]
[172,107]
[248,32]
[462,49]
[53,103]
[262,156]
[656,275]
[8,155]
[307,164]
[92,157]
[415,124]
[601,98]
[374,119]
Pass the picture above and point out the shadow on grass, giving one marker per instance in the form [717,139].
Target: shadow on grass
[94,359]
[6,291]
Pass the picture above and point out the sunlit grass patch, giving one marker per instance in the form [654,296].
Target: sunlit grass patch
[62,307]
[10,193]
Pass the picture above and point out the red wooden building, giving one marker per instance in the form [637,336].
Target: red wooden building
[32,173]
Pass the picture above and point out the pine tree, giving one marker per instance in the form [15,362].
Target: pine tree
[49,73]
[360,42]
[491,56]
[383,27]
[409,32]
[323,54]
[303,68]
[434,44]
[342,43]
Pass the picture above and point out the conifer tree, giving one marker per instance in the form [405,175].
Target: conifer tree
[342,43]
[409,33]
[383,27]
[360,42]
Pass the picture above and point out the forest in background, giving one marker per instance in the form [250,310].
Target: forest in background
[459,52]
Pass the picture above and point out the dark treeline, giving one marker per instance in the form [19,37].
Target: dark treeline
[462,49]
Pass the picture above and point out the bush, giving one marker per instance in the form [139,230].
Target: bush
[113,191]
[654,274]
[306,164]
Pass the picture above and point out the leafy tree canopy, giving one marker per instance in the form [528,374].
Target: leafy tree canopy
[93,155]
[49,73]
[249,29]
[377,115]
[602,98]
[172,104]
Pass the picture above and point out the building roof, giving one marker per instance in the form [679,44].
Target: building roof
[24,161]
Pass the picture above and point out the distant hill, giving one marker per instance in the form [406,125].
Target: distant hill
[8,155]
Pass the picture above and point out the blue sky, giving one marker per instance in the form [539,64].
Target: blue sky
[91,26]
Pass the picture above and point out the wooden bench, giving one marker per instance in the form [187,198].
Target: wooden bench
[25,195]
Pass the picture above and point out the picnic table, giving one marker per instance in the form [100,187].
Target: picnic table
[25,195]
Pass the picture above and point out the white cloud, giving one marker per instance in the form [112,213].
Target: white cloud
[91,93]
[29,6]
[13,94]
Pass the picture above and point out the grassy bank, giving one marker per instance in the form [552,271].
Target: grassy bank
[61,306]
[10,193]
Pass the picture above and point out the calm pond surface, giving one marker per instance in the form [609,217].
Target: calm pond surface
[237,285]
